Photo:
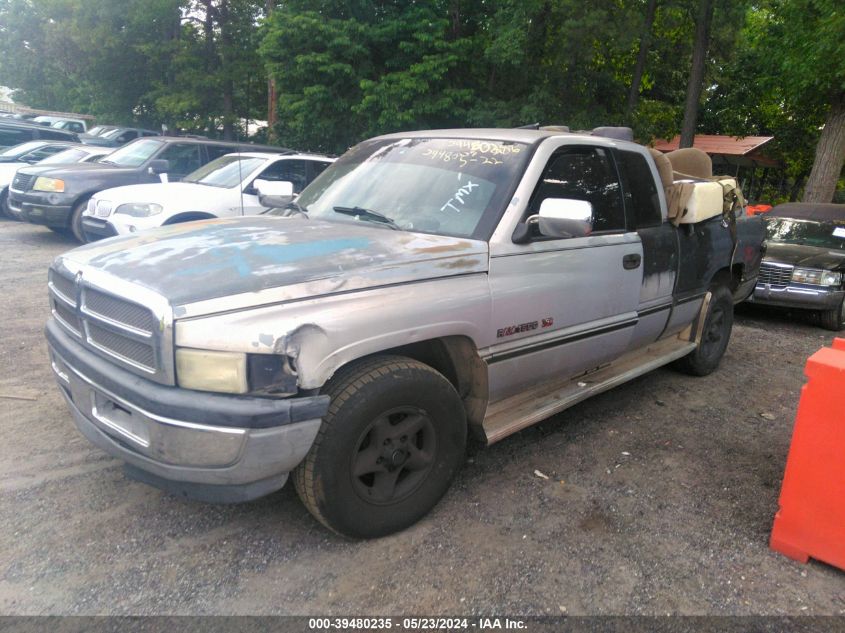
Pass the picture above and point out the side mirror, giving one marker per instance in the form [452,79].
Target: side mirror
[273,193]
[563,217]
[158,166]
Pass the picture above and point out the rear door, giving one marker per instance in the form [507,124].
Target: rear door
[565,306]
[659,241]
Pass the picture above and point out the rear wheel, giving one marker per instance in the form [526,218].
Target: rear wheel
[76,220]
[833,319]
[715,336]
[388,448]
[4,205]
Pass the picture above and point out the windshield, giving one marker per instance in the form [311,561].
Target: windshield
[133,155]
[97,130]
[110,134]
[450,186]
[226,171]
[66,156]
[23,148]
[806,232]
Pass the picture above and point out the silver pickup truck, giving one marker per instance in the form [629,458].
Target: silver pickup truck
[427,285]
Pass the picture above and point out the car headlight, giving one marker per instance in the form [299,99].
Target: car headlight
[53,185]
[137,210]
[207,370]
[816,277]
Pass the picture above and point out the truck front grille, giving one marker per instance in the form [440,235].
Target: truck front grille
[118,328]
[21,182]
[776,275]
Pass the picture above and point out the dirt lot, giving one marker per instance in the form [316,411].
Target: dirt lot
[660,500]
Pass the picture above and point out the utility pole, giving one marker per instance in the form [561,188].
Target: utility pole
[272,98]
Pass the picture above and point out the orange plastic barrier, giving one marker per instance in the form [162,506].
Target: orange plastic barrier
[754,209]
[811,520]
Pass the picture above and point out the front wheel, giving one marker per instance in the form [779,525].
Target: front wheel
[718,324]
[76,220]
[388,448]
[833,320]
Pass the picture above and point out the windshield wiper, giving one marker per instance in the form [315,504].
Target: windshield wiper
[368,214]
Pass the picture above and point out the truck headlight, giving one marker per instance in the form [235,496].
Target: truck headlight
[53,185]
[137,210]
[816,277]
[206,370]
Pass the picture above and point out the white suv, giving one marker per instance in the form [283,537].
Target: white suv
[223,188]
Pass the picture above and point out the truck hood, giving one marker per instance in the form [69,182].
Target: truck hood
[173,196]
[198,261]
[805,256]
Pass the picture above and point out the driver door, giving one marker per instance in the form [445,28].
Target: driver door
[564,306]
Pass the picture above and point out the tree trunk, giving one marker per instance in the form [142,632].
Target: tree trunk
[271,93]
[830,154]
[696,77]
[642,55]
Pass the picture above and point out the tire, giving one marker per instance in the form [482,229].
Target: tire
[715,337]
[76,220]
[366,476]
[4,204]
[833,319]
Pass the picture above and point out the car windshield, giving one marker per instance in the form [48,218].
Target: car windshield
[67,156]
[97,130]
[112,133]
[226,171]
[133,155]
[445,186]
[23,148]
[806,232]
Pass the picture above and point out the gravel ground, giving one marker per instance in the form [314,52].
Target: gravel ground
[660,500]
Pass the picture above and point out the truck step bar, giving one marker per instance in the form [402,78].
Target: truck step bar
[524,409]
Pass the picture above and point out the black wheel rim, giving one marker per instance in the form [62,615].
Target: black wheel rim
[394,455]
[715,333]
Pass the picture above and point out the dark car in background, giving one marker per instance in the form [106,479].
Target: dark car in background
[117,136]
[805,261]
[15,132]
[56,198]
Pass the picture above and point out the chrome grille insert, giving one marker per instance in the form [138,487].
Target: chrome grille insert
[777,275]
[103,208]
[118,311]
[134,352]
[67,317]
[64,286]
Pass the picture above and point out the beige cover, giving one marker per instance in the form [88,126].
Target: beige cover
[704,202]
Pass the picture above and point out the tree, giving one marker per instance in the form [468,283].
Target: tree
[704,18]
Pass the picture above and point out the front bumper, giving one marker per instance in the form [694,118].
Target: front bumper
[798,296]
[49,209]
[96,228]
[206,446]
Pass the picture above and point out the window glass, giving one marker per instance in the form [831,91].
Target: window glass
[226,171]
[183,157]
[640,189]
[294,171]
[55,135]
[17,150]
[134,154]
[216,151]
[317,167]
[41,153]
[72,155]
[584,173]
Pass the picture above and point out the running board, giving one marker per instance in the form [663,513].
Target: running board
[524,409]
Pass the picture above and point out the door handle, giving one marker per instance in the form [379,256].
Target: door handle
[629,262]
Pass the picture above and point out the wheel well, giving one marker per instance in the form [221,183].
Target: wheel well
[730,277]
[189,216]
[456,357]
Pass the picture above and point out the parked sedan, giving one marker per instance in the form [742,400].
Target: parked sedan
[805,260]
[225,187]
